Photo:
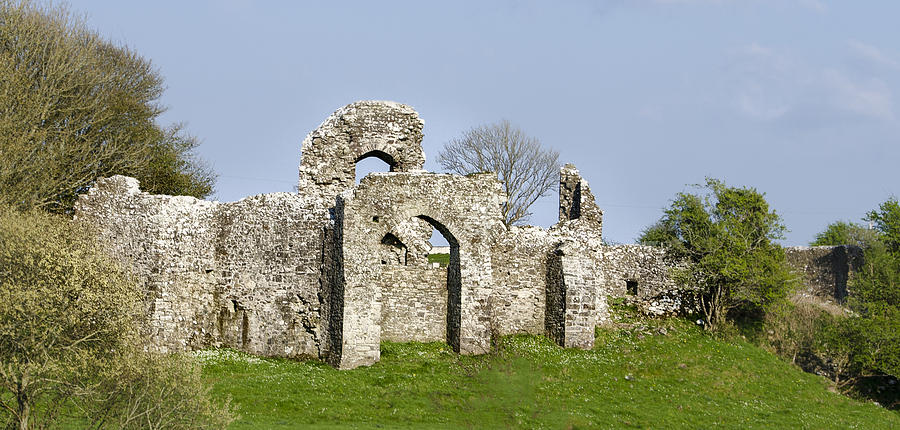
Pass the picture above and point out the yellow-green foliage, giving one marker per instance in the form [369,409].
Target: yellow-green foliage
[64,310]
[146,390]
[69,344]
[74,107]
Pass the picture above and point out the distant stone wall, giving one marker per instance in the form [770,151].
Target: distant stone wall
[520,275]
[825,269]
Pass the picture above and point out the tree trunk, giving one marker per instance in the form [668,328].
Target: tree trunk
[24,410]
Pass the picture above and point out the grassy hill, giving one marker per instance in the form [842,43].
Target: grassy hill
[651,374]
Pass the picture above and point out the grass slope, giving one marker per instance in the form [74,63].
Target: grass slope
[656,374]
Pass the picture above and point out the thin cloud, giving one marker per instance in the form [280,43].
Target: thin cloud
[815,5]
[769,85]
[873,54]
[871,98]
[753,101]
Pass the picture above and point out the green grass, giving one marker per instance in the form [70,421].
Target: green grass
[636,377]
[443,259]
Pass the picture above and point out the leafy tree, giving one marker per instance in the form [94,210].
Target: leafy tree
[845,233]
[174,169]
[868,341]
[526,170]
[724,239]
[74,107]
[887,223]
[875,296]
[838,338]
[69,344]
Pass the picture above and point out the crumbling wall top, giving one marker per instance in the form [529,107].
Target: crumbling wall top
[386,130]
[575,198]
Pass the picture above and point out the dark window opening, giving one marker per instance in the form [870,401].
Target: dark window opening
[394,251]
[575,212]
[631,287]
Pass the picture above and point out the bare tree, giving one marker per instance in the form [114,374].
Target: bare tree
[527,170]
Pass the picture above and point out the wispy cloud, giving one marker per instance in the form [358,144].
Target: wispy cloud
[769,85]
[816,5]
[873,54]
[868,98]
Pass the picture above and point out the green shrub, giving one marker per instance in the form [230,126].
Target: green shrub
[793,327]
[865,344]
[69,344]
[725,240]
[845,233]
[148,390]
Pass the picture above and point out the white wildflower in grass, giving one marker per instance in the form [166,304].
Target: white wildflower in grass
[209,357]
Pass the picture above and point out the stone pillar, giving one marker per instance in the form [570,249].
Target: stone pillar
[572,285]
[575,198]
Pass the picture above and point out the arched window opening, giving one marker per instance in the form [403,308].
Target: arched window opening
[374,161]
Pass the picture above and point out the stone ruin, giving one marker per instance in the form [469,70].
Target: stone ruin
[334,269]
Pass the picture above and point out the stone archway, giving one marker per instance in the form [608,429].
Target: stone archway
[389,131]
[464,208]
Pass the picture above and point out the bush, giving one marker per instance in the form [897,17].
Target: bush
[156,391]
[725,240]
[793,327]
[69,344]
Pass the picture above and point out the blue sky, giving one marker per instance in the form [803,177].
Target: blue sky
[793,97]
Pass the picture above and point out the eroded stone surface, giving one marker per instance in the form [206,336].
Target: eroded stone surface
[825,269]
[336,268]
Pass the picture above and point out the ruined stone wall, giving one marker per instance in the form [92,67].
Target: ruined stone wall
[825,270]
[469,217]
[529,275]
[640,274]
[414,304]
[243,274]
[575,198]
[520,260]
[336,268]
[578,297]
[389,131]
